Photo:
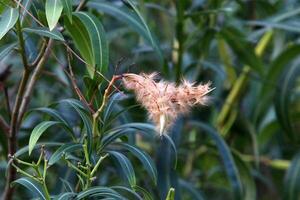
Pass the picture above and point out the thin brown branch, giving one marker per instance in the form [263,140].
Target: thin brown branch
[4,126]
[75,87]
[7,102]
[33,80]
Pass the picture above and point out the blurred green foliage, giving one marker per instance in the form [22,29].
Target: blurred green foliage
[243,145]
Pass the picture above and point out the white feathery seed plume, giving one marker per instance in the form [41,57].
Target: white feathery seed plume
[163,100]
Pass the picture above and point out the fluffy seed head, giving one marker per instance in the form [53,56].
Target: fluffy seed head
[163,100]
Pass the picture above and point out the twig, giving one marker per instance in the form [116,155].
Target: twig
[4,125]
[7,102]
[104,101]
[75,87]
[33,80]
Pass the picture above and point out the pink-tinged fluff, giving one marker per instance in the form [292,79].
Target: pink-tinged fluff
[163,100]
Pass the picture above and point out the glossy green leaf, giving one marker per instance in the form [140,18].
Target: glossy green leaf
[67,4]
[38,131]
[64,149]
[100,191]
[82,41]
[57,116]
[6,49]
[125,15]
[228,161]
[53,11]
[31,185]
[42,31]
[97,39]
[113,134]
[144,158]
[126,167]
[8,20]
[292,180]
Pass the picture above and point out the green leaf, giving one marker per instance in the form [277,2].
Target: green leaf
[66,196]
[173,147]
[276,68]
[53,11]
[67,4]
[99,191]
[31,185]
[144,158]
[81,110]
[247,179]
[82,41]
[242,48]
[137,196]
[97,38]
[57,116]
[292,180]
[194,193]
[8,20]
[126,167]
[129,128]
[42,31]
[38,131]
[171,194]
[145,193]
[64,149]
[6,49]
[132,20]
[228,161]
[25,149]
[282,108]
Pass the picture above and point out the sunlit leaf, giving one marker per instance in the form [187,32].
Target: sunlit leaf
[53,11]
[97,39]
[8,20]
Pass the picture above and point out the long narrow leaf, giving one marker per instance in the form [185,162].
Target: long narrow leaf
[229,164]
[126,167]
[53,11]
[144,158]
[31,185]
[38,131]
[8,20]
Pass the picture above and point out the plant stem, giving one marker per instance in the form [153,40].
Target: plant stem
[240,84]
[104,101]
[179,37]
[22,45]
[33,80]
[98,164]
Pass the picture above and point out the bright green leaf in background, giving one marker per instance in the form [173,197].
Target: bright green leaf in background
[8,20]
[53,11]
